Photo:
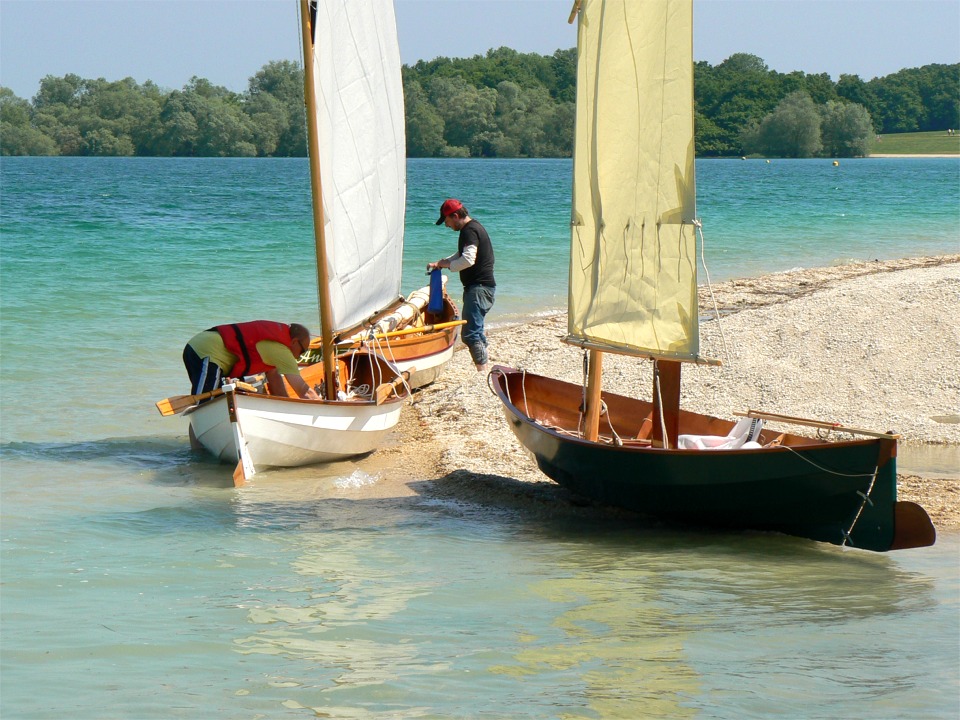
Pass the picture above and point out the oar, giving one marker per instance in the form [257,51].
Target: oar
[245,468]
[385,390]
[815,423]
[406,331]
[179,403]
[238,476]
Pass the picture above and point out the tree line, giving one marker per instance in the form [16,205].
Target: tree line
[502,104]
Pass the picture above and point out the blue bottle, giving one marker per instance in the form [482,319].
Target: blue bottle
[435,304]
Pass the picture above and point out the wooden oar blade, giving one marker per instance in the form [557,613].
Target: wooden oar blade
[176,404]
[239,477]
[179,403]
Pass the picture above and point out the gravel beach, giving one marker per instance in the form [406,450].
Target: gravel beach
[873,345]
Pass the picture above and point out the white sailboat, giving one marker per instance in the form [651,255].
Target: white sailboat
[355,123]
[412,336]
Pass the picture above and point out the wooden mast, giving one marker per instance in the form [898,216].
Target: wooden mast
[591,429]
[313,150]
[666,403]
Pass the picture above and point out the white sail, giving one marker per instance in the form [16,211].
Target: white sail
[360,120]
[633,243]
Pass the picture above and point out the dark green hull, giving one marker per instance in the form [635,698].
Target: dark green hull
[814,491]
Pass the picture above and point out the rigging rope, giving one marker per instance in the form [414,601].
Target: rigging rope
[583,393]
[706,272]
[663,420]
[866,497]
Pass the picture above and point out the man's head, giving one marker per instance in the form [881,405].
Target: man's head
[452,208]
[300,339]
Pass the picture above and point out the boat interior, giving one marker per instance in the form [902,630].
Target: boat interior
[625,421]
[359,375]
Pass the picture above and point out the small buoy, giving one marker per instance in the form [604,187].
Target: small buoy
[768,162]
[836,163]
[743,158]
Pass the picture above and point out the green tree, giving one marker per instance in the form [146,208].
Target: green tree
[939,88]
[899,104]
[17,134]
[845,129]
[565,71]
[58,91]
[522,115]
[103,142]
[503,103]
[424,125]
[118,118]
[791,130]
[710,139]
[852,89]
[269,120]
[55,112]
[178,128]
[275,105]
[820,88]
[467,113]
[557,138]
[738,91]
[206,120]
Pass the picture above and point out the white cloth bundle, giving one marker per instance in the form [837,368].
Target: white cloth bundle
[743,436]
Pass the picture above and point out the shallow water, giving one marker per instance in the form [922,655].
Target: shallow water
[150,590]
[138,583]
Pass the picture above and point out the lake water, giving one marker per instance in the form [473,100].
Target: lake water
[138,583]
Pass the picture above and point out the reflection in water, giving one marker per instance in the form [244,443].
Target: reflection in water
[332,620]
[619,641]
[409,608]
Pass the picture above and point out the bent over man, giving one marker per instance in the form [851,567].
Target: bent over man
[248,348]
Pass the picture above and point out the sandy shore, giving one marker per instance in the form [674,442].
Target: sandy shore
[872,345]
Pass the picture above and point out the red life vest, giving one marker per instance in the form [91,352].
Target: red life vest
[241,340]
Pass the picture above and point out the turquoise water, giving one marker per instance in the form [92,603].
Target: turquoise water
[136,583]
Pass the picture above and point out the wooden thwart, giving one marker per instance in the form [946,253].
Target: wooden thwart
[815,423]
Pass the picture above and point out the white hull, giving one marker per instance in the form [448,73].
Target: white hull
[286,432]
[427,368]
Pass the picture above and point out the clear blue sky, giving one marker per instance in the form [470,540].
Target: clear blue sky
[226,42]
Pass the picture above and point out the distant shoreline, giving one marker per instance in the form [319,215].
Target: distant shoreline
[913,155]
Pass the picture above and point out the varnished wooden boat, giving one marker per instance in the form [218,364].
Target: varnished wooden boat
[835,491]
[417,341]
[633,291]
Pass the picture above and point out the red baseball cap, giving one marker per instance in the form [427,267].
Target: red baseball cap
[450,206]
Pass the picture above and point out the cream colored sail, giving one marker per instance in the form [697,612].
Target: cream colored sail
[362,151]
[633,243]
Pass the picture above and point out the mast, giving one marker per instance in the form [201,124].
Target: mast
[593,404]
[633,288]
[313,150]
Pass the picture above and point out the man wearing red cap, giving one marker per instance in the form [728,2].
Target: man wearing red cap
[474,261]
